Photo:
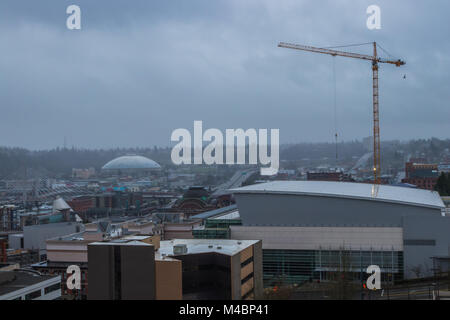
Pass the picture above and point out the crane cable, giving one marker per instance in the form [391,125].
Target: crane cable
[385,51]
[335,109]
[348,45]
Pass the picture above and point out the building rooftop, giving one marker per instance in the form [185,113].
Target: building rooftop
[136,237]
[231,215]
[215,212]
[195,246]
[384,193]
[11,281]
[79,236]
[120,242]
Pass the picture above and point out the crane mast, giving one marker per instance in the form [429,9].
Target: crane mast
[376,115]
[376,121]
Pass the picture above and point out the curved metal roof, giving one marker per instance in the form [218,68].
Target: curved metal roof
[364,191]
[131,162]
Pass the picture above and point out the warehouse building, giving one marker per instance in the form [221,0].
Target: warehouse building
[311,229]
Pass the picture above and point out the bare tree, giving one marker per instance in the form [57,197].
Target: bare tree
[417,270]
[342,285]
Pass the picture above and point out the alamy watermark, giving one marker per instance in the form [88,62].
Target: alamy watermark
[73,21]
[374,19]
[213,153]
[374,280]
[74,279]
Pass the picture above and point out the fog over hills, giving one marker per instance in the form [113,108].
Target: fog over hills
[23,163]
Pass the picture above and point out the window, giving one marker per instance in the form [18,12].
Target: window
[247,278]
[246,262]
[52,288]
[419,242]
[33,295]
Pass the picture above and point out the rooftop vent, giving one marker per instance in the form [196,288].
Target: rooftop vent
[219,247]
[210,246]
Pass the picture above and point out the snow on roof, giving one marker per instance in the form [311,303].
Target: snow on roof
[385,193]
[223,246]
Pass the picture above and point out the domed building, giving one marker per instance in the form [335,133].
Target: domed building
[131,164]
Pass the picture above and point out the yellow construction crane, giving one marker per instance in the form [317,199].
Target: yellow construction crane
[376,119]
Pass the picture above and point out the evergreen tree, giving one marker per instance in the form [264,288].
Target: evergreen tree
[443,184]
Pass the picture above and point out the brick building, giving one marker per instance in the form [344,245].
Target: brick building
[423,175]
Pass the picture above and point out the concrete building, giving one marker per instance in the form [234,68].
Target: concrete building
[83,173]
[180,230]
[307,226]
[9,218]
[202,269]
[121,270]
[73,250]
[35,236]
[173,270]
[142,226]
[11,250]
[15,241]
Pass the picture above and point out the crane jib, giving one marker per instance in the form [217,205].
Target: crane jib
[339,53]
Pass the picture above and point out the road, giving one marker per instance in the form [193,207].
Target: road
[418,292]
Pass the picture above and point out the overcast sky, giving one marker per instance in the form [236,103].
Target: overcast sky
[137,70]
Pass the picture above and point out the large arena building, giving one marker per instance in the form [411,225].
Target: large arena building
[131,164]
[311,229]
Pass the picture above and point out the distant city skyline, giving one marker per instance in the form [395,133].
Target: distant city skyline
[137,71]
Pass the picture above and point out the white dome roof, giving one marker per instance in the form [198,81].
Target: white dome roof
[131,162]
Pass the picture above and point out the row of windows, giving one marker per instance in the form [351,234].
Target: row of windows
[419,242]
[296,266]
[357,259]
[38,293]
[33,295]
[54,287]
[332,258]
